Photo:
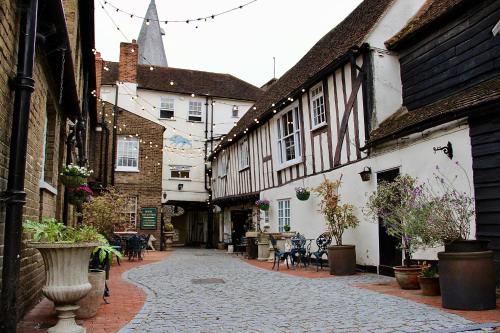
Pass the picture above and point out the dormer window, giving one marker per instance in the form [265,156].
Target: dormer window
[194,111]
[235,111]
[166,108]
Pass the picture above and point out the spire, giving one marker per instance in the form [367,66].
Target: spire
[150,39]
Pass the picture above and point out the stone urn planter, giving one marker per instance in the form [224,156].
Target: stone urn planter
[91,302]
[407,277]
[342,259]
[66,272]
[169,239]
[467,276]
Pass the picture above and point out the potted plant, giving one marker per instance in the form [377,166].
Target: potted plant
[263,204]
[169,235]
[73,175]
[339,218]
[65,252]
[302,193]
[429,281]
[462,288]
[79,195]
[403,209]
[286,228]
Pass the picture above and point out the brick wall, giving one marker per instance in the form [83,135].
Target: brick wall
[127,68]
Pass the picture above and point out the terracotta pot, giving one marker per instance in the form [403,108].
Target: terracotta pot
[342,259]
[66,280]
[429,286]
[407,277]
[467,280]
[90,303]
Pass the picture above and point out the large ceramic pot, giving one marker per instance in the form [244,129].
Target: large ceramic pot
[407,277]
[342,259]
[429,285]
[91,302]
[467,279]
[66,280]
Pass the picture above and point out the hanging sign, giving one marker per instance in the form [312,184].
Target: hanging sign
[148,218]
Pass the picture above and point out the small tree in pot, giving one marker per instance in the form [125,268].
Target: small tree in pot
[403,208]
[339,218]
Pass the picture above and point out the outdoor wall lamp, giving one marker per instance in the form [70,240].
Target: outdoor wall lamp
[180,186]
[164,195]
[447,150]
[366,174]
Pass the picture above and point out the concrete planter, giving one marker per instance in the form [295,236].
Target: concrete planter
[91,303]
[253,234]
[66,272]
[263,250]
[169,240]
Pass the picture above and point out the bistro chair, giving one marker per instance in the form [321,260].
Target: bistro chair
[241,246]
[298,253]
[279,254]
[322,243]
[134,247]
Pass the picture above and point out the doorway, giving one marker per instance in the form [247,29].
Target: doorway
[239,224]
[390,253]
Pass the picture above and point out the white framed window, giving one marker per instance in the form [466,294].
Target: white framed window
[283,214]
[222,166]
[244,154]
[180,171]
[167,108]
[318,105]
[235,111]
[194,111]
[130,211]
[127,157]
[289,144]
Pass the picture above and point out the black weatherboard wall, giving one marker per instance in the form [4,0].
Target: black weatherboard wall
[485,141]
[455,54]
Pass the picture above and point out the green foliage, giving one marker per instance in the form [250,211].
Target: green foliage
[428,271]
[107,250]
[169,227]
[286,227]
[51,231]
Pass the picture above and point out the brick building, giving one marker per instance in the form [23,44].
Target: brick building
[61,106]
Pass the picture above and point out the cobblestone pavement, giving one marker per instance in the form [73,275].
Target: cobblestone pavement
[251,299]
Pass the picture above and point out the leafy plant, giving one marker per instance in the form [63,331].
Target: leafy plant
[428,271]
[339,217]
[106,251]
[286,227]
[169,227]
[51,231]
[75,170]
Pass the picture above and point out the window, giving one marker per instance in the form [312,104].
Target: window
[179,171]
[289,145]
[318,105]
[223,161]
[235,111]
[283,214]
[244,154]
[127,158]
[166,108]
[130,211]
[194,111]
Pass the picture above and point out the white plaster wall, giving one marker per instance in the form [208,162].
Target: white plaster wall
[416,158]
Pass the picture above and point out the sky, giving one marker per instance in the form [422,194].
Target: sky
[242,43]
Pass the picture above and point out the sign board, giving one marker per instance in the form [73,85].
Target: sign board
[148,218]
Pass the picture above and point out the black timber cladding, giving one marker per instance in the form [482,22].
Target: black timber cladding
[458,54]
[485,142]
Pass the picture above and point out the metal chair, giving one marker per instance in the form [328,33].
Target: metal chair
[278,254]
[242,246]
[298,253]
[134,247]
[322,243]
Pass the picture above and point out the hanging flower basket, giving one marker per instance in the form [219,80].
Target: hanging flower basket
[73,175]
[73,181]
[302,193]
[263,204]
[77,196]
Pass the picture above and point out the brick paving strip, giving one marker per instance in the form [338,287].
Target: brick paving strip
[125,302]
[230,295]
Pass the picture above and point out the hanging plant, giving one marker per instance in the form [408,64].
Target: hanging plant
[73,175]
[263,204]
[79,195]
[302,193]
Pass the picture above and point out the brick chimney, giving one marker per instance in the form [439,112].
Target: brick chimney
[127,70]
[99,65]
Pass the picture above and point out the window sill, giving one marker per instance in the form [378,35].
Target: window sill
[126,170]
[180,179]
[319,126]
[195,121]
[47,187]
[168,119]
[289,164]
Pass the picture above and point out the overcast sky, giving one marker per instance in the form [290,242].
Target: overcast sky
[241,43]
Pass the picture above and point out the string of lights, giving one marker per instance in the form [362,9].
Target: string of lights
[187,20]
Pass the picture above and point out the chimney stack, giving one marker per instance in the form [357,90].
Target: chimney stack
[127,70]
[99,65]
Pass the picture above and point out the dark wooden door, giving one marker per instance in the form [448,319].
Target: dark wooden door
[239,219]
[389,252]
[485,142]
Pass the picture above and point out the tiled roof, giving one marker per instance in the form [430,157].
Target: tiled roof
[349,33]
[430,12]
[187,82]
[402,122]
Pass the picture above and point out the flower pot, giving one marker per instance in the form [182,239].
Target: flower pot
[407,277]
[342,259]
[264,207]
[467,280]
[429,285]
[303,196]
[90,303]
[66,280]
[169,240]
[466,246]
[73,181]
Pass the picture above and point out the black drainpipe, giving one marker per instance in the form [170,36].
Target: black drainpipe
[113,148]
[15,199]
[69,147]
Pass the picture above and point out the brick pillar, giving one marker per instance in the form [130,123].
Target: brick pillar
[127,70]
[99,65]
